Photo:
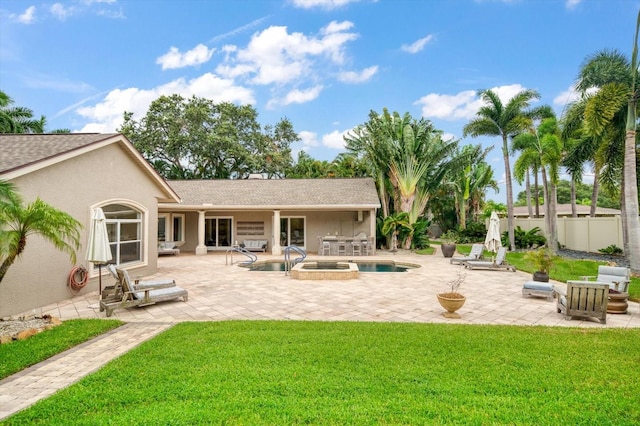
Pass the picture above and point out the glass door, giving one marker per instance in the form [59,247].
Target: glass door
[292,231]
[218,232]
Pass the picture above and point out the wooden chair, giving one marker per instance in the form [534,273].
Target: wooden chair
[583,299]
[617,277]
[140,293]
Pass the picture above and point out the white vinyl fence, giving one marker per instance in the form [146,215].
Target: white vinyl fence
[578,233]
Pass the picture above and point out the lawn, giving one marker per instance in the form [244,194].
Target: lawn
[292,372]
[21,354]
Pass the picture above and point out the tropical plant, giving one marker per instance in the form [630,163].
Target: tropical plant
[542,259]
[506,121]
[613,250]
[473,233]
[18,119]
[609,111]
[525,239]
[393,225]
[17,222]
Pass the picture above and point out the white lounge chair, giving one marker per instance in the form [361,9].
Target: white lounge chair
[141,293]
[499,263]
[474,254]
[617,277]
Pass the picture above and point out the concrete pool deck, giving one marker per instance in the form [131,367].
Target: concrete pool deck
[223,292]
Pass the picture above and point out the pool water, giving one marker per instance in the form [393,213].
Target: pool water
[362,266]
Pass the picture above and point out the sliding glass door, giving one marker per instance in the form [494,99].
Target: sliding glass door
[292,231]
[218,232]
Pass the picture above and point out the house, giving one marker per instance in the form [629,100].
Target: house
[76,173]
[216,214]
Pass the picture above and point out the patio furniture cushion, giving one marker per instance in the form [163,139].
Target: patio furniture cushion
[537,288]
[255,245]
[619,277]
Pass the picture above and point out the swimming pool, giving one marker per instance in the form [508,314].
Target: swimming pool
[364,266]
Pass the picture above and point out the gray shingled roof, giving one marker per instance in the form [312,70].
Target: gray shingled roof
[18,151]
[278,192]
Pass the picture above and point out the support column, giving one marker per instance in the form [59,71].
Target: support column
[372,229]
[275,246]
[201,248]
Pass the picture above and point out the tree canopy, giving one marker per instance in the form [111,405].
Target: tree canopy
[198,139]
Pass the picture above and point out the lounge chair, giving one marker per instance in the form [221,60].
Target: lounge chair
[617,277]
[139,293]
[583,299]
[474,254]
[499,263]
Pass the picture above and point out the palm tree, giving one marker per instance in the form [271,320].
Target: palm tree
[505,121]
[38,217]
[18,119]
[611,110]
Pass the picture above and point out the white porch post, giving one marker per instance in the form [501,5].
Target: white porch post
[372,228]
[201,248]
[275,247]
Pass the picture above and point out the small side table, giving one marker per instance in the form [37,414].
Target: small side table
[618,303]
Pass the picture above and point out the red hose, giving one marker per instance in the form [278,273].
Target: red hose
[82,273]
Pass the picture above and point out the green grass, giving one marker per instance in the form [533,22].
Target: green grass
[426,250]
[563,269]
[18,355]
[288,372]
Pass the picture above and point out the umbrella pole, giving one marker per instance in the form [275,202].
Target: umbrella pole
[99,279]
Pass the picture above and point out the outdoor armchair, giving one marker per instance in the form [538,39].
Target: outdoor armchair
[618,277]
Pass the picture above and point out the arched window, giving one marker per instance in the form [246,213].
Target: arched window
[124,224]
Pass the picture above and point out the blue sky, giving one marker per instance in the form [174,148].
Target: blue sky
[324,64]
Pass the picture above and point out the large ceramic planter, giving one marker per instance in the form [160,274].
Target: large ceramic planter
[451,302]
[542,277]
[448,249]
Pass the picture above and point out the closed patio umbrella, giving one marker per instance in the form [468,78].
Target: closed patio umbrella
[492,242]
[98,250]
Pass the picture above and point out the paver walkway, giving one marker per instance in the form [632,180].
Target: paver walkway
[221,292]
[44,379]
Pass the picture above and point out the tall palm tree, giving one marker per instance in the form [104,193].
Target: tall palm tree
[505,121]
[18,222]
[18,119]
[611,110]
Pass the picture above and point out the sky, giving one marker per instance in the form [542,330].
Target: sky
[323,64]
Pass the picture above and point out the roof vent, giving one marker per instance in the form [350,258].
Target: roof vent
[255,176]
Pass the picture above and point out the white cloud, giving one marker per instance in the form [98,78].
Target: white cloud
[334,139]
[106,116]
[570,4]
[448,136]
[308,139]
[570,95]
[27,17]
[358,77]
[174,59]
[323,4]
[277,56]
[463,105]
[59,11]
[417,45]
[296,97]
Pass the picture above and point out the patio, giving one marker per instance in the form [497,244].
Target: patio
[222,292]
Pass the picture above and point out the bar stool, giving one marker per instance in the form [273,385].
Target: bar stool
[356,248]
[326,248]
[366,248]
[342,247]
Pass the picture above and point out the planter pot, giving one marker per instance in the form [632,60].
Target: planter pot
[541,277]
[451,304]
[448,249]
[617,303]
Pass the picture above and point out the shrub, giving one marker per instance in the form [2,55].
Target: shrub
[612,249]
[525,239]
[474,232]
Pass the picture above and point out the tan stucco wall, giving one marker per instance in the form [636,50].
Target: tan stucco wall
[318,223]
[98,177]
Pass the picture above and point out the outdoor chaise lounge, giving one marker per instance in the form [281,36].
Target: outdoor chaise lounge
[474,254]
[583,299]
[499,263]
[139,293]
[617,277]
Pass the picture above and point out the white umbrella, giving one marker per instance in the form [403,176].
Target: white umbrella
[98,250]
[492,242]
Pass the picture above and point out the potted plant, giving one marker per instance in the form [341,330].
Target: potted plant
[543,261]
[448,245]
[452,300]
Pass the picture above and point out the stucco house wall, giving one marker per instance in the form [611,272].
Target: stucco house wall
[106,175]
